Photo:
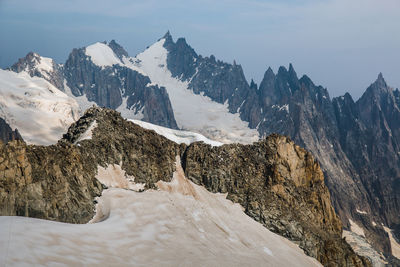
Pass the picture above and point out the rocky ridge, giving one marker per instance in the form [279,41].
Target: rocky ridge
[278,183]
[354,141]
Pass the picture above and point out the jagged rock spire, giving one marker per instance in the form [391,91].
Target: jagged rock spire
[168,37]
[253,85]
[380,81]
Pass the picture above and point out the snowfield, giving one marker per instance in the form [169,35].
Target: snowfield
[181,224]
[193,112]
[40,111]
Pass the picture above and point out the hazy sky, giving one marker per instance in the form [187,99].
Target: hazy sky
[340,44]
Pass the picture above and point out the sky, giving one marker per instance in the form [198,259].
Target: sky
[340,44]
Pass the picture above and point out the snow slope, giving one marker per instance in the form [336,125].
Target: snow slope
[40,111]
[177,136]
[181,224]
[193,112]
[102,55]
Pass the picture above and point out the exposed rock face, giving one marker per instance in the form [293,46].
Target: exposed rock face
[116,85]
[46,182]
[7,134]
[278,183]
[216,79]
[268,179]
[356,143]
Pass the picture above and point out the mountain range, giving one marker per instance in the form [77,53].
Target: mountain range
[169,84]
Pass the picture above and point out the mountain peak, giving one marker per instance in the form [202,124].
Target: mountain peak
[34,64]
[269,72]
[168,37]
[291,69]
[269,75]
[376,90]
[380,81]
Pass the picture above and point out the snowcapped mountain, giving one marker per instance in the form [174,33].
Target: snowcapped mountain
[170,85]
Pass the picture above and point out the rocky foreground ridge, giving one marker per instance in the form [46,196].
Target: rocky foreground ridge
[277,183]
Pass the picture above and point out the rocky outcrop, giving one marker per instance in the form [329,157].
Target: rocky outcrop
[8,134]
[278,183]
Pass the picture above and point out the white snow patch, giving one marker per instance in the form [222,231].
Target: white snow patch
[87,135]
[152,228]
[356,229]
[361,212]
[114,176]
[395,246]
[177,136]
[194,112]
[41,112]
[284,107]
[102,55]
